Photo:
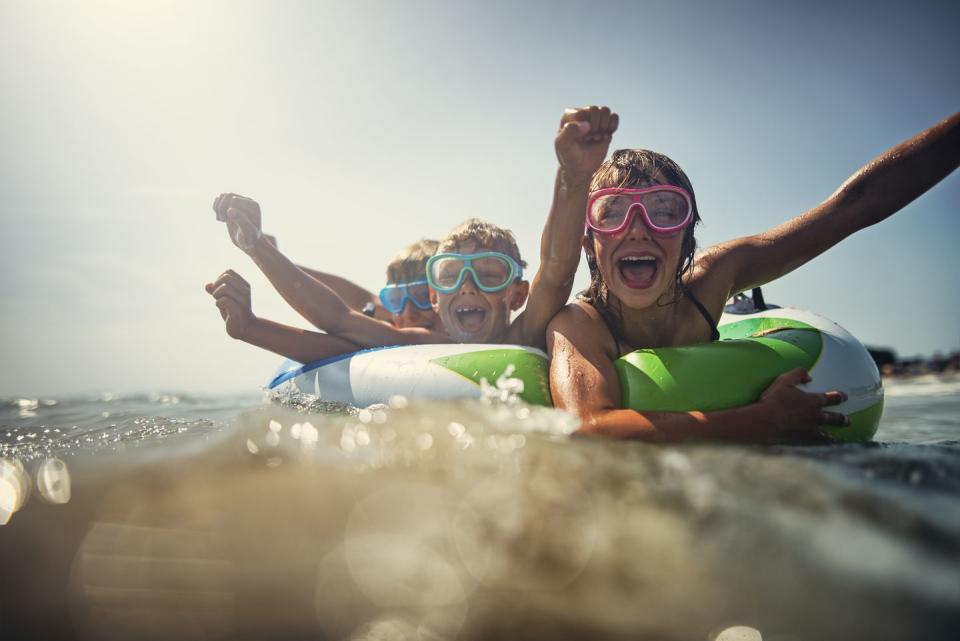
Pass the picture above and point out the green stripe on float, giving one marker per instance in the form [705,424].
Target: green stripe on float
[753,327]
[720,375]
[529,367]
[863,425]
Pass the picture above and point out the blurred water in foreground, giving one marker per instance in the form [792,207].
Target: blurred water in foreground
[161,516]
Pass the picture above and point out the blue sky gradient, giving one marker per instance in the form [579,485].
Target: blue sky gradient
[363,126]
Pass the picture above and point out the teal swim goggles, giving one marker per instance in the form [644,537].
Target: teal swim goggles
[490,271]
[395,297]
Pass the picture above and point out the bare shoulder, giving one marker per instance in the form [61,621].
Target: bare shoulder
[574,316]
[579,325]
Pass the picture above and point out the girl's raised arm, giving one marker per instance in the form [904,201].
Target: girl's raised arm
[581,145]
[876,191]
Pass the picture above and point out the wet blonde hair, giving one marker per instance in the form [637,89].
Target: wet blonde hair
[411,263]
[483,234]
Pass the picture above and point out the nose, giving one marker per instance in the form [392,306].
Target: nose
[407,313]
[469,284]
[637,227]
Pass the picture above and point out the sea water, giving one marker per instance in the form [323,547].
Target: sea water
[172,516]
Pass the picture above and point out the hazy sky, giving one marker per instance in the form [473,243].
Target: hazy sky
[362,126]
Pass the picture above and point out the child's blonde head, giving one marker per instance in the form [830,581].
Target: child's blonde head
[484,235]
[411,264]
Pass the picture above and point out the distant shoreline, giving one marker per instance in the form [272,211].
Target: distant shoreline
[891,366]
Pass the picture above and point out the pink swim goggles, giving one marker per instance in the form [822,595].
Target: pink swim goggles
[666,209]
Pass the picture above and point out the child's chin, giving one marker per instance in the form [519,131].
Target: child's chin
[473,337]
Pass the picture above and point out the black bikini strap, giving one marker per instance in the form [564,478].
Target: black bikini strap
[714,333]
[611,326]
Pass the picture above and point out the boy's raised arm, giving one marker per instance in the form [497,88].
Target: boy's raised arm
[352,294]
[581,145]
[232,295]
[876,191]
[355,296]
[313,300]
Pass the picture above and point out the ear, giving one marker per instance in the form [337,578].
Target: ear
[519,295]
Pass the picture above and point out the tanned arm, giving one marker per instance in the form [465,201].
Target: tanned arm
[581,145]
[353,295]
[875,192]
[583,381]
[232,295]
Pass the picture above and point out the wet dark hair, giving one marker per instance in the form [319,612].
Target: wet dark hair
[638,168]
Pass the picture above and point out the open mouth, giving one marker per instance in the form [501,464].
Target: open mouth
[470,317]
[638,271]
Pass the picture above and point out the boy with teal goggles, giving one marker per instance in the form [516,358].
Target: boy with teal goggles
[491,271]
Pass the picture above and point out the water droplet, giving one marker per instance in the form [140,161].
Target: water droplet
[424,441]
[398,402]
[309,435]
[739,633]
[53,481]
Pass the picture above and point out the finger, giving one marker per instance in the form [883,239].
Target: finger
[227,304]
[241,218]
[821,436]
[226,202]
[595,116]
[233,278]
[614,124]
[793,377]
[222,308]
[574,115]
[220,206]
[245,203]
[834,398]
[571,132]
[209,287]
[604,116]
[239,294]
[229,309]
[591,114]
[231,293]
[835,419]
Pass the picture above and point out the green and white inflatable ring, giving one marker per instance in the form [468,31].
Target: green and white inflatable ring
[754,349]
